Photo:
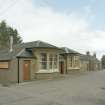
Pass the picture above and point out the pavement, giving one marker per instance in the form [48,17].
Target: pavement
[80,89]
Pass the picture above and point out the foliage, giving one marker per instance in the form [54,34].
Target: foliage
[5,33]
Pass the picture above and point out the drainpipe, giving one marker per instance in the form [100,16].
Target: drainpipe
[18,71]
[66,65]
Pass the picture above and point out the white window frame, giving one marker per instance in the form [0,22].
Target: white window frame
[42,61]
[54,60]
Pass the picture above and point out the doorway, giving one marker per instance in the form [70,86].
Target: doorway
[26,70]
[61,67]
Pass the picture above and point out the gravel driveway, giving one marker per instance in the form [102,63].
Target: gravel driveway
[83,89]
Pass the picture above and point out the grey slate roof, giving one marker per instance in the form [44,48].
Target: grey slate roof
[22,50]
[7,55]
[37,44]
[25,54]
[68,51]
[84,57]
[4,55]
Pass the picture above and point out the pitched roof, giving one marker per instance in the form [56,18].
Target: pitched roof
[4,55]
[18,52]
[22,50]
[37,44]
[69,51]
[84,57]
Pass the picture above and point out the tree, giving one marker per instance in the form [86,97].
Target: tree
[103,61]
[5,33]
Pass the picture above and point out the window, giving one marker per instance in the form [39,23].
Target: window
[50,61]
[76,61]
[61,58]
[4,65]
[55,61]
[70,61]
[43,61]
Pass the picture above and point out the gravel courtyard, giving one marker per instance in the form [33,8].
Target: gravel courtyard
[79,89]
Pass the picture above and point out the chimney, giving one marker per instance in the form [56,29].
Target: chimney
[94,55]
[11,43]
[88,53]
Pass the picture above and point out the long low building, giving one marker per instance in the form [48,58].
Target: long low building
[41,60]
[89,62]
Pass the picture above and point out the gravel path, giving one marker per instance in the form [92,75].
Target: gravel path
[81,89]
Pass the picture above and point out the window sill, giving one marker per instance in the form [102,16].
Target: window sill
[48,71]
[74,68]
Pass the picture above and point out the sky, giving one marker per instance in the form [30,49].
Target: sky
[76,24]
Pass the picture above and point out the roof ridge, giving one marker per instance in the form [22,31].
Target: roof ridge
[20,52]
[66,49]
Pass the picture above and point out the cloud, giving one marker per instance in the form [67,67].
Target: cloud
[35,22]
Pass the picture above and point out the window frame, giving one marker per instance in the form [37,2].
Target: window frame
[76,61]
[55,60]
[51,61]
[70,61]
[43,62]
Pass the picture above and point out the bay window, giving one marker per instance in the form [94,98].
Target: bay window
[70,61]
[48,61]
[43,61]
[55,61]
[76,61]
[51,61]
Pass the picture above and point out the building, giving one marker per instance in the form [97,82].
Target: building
[70,61]
[29,61]
[41,60]
[89,62]
[84,63]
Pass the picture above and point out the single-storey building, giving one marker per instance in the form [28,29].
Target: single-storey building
[70,61]
[89,62]
[95,64]
[41,60]
[29,61]
[84,63]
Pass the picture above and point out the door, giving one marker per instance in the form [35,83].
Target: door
[26,70]
[61,67]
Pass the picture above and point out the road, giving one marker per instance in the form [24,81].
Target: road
[81,89]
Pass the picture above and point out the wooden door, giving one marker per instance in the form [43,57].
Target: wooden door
[61,67]
[26,70]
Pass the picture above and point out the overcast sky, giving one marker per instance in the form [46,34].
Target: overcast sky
[77,24]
